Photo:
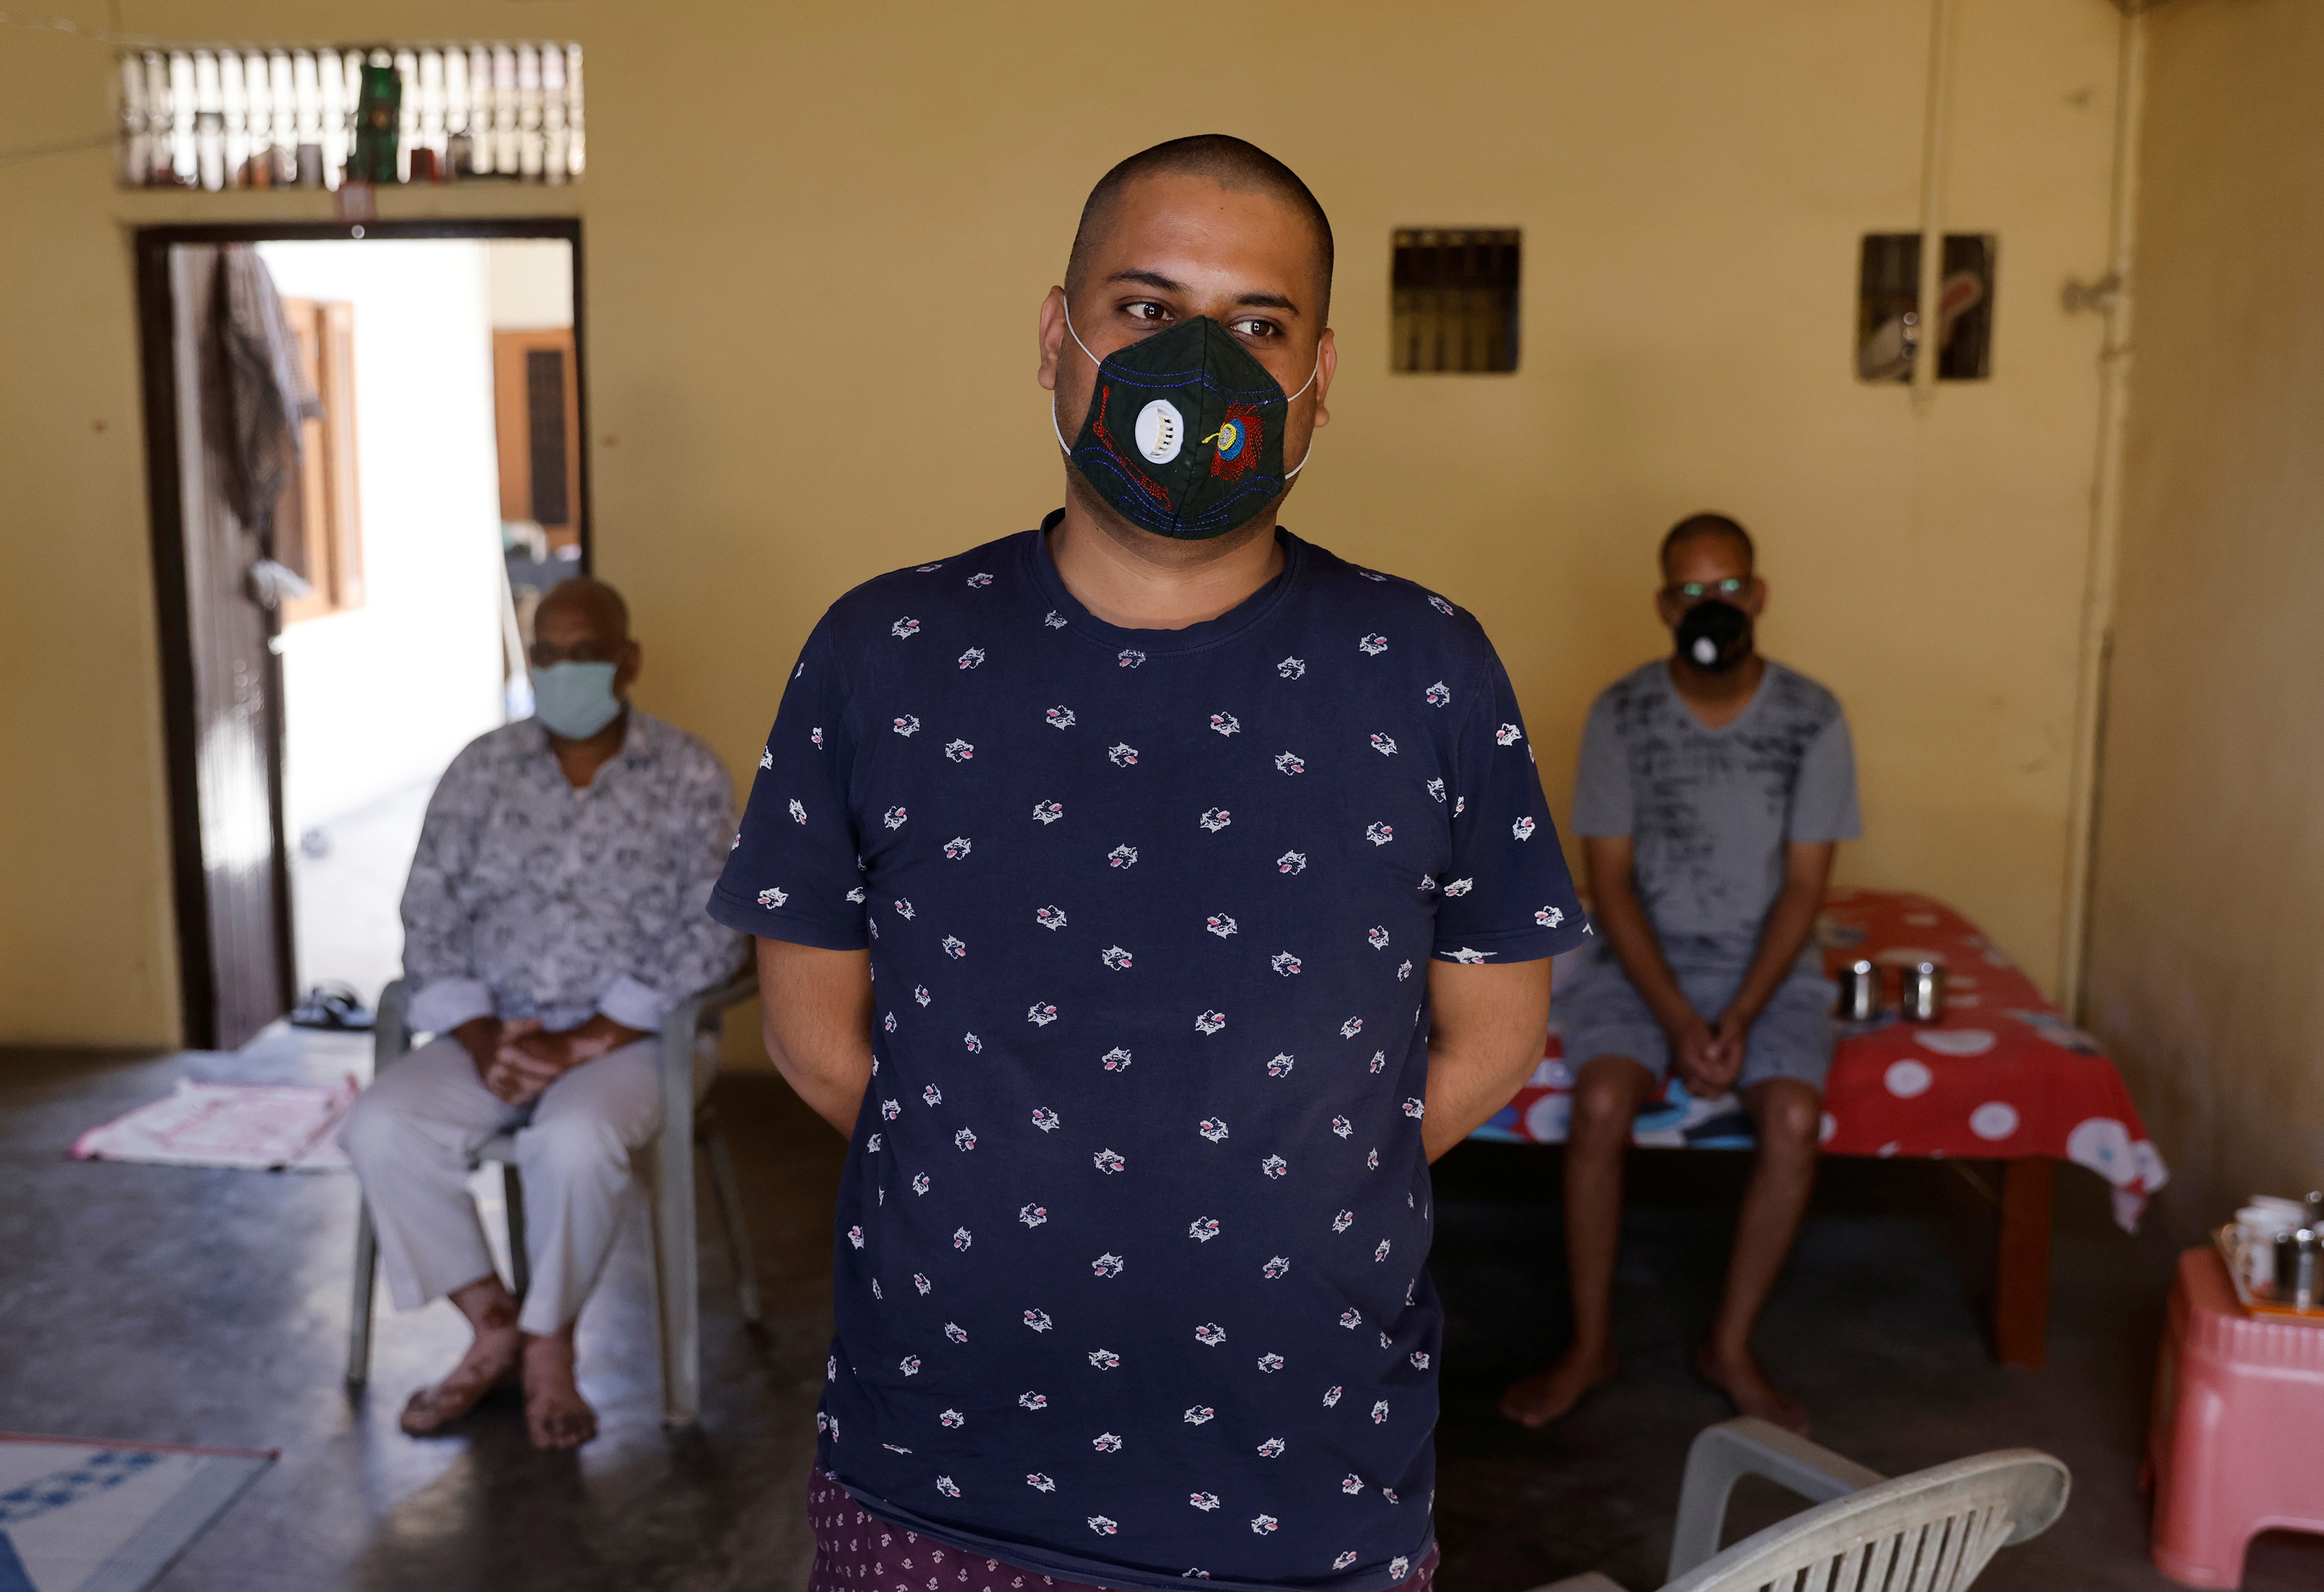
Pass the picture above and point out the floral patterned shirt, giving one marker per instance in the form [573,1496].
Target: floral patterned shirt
[528,898]
[1128,1282]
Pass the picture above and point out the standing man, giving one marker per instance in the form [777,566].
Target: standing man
[1149,898]
[1712,788]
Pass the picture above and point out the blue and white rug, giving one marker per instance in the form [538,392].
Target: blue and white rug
[78,1516]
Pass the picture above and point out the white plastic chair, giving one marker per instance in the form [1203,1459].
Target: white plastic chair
[665,1169]
[1932,1531]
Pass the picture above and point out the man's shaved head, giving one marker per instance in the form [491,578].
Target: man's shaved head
[1230,162]
[593,601]
[1695,527]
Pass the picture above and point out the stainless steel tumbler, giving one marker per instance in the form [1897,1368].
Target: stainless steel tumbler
[1921,992]
[1860,991]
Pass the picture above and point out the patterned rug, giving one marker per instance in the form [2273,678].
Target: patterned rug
[78,1516]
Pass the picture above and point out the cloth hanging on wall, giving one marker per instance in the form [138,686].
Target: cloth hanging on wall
[267,389]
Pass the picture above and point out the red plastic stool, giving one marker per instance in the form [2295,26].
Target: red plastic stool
[2237,1445]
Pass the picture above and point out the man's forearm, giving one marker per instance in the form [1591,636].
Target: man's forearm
[817,1026]
[1621,918]
[1788,929]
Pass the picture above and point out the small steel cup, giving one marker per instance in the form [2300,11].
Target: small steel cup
[2300,1269]
[1860,991]
[1921,992]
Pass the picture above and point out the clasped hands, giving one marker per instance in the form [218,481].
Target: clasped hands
[518,1059]
[1709,1056]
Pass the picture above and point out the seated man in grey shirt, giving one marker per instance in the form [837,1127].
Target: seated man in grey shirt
[554,917]
[1711,789]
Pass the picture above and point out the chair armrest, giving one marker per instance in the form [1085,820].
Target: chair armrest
[1748,1446]
[390,1026]
[686,1019]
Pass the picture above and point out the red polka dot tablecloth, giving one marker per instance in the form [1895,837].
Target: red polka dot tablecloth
[2002,1074]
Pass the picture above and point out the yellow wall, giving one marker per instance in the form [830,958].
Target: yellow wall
[2208,906]
[814,240]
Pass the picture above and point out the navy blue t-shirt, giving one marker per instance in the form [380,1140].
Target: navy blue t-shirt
[1129,1281]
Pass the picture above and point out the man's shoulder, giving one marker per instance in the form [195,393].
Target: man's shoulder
[1796,694]
[497,749]
[903,602]
[1393,610]
[1643,690]
[684,757]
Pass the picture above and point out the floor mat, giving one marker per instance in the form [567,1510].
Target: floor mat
[258,1127]
[81,1516]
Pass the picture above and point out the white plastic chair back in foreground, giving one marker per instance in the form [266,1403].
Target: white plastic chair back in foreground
[1932,1531]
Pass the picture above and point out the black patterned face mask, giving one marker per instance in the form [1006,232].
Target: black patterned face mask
[1185,433]
[1714,635]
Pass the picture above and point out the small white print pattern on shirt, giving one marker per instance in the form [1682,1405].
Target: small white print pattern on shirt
[1291,763]
[1209,1021]
[1202,1229]
[1285,963]
[1459,887]
[1279,1066]
[1211,1128]
[1522,828]
[1038,1320]
[909,725]
[1351,1027]
[1039,1482]
[1061,717]
[955,1332]
[1049,812]
[956,848]
[1210,1334]
[971,657]
[1332,1399]
[1373,647]
[1549,917]
[1107,1266]
[953,948]
[1048,917]
[1379,834]
[1416,1108]
[965,1140]
[1107,1442]
[1045,1119]
[1102,1526]
[1378,939]
[1276,1268]
[1122,857]
[1467,957]
[1274,1167]
[1221,925]
[1263,1525]
[1123,754]
[1115,957]
[1215,818]
[799,813]
[961,1237]
[1054,620]
[1033,1401]
[1438,694]
[1508,735]
[1104,1359]
[1203,1501]
[974,1044]
[1115,1060]
[772,897]
[1385,745]
[905,627]
[959,751]
[1130,658]
[1271,1448]
[894,817]
[1042,1015]
[1439,605]
[1347,1558]
[1033,1216]
[1291,862]
[980,579]
[904,910]
[1107,1162]
[1291,668]
[1226,724]
[1344,1127]
[1437,789]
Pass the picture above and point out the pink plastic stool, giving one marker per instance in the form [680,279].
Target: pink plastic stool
[2237,1445]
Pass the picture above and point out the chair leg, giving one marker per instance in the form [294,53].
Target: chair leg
[730,1217]
[677,1280]
[520,1256]
[359,1311]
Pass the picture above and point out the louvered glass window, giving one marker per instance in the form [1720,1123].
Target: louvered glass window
[319,117]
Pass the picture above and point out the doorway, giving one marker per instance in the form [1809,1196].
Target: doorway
[329,645]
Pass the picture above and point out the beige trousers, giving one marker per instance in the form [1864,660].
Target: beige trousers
[412,1136]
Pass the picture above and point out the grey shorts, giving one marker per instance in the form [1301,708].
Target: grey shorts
[1603,1015]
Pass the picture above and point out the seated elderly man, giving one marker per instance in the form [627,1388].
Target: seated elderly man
[554,916]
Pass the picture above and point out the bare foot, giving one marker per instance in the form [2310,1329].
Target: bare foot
[1739,1376]
[555,1412]
[1546,1396]
[490,1361]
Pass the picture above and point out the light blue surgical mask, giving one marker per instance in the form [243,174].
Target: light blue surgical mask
[574,700]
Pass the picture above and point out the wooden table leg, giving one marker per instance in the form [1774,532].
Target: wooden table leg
[2021,1294]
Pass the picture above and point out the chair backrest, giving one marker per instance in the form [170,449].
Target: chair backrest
[1931,1532]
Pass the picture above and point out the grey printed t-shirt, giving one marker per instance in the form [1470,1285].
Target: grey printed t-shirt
[1710,811]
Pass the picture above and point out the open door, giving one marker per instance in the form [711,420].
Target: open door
[221,682]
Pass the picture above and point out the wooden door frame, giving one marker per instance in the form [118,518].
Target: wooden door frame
[156,326]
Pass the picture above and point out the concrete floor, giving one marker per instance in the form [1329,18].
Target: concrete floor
[181,1305]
